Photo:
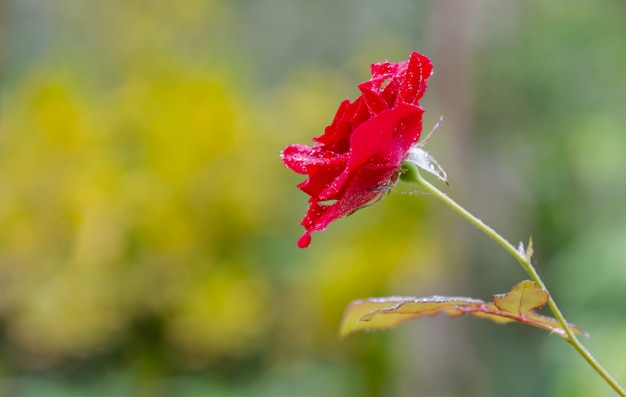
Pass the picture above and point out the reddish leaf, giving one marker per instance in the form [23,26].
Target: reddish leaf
[518,304]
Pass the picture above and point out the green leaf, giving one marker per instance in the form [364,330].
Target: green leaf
[518,304]
[530,251]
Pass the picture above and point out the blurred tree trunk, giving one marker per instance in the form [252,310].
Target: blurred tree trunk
[4,20]
[4,9]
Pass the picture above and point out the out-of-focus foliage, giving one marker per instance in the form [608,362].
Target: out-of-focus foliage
[148,228]
[148,225]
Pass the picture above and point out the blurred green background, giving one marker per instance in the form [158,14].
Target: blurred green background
[148,228]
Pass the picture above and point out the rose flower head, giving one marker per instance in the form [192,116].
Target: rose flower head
[360,154]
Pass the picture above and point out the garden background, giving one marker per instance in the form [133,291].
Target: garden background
[148,228]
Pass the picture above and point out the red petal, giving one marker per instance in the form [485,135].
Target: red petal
[375,103]
[386,137]
[356,158]
[414,84]
[302,158]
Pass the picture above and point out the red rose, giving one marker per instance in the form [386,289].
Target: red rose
[361,152]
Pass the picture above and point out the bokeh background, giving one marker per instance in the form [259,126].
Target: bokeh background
[148,228]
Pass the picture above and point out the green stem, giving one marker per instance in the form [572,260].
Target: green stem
[413,175]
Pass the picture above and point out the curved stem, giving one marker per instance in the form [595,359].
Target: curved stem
[413,175]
